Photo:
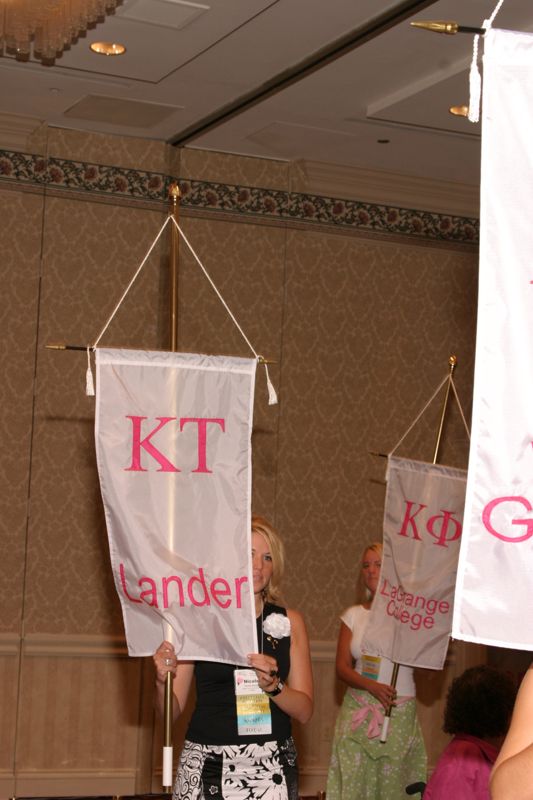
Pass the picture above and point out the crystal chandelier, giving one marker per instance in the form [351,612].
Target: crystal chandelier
[49,25]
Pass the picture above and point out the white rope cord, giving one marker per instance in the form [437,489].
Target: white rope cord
[410,428]
[89,382]
[460,407]
[475,84]
[272,396]
[475,77]
[214,287]
[130,284]
[498,6]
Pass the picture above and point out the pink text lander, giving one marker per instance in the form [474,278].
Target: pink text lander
[197,590]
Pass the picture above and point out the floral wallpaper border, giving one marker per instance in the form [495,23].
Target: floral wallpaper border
[102,180]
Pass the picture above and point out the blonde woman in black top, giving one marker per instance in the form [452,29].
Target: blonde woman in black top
[220,757]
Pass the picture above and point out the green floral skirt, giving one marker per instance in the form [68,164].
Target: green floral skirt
[362,768]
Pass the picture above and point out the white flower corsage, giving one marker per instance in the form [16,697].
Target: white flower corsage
[277,625]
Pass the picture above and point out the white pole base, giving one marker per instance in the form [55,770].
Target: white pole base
[167,768]
[384,730]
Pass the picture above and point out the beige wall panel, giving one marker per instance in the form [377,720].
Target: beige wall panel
[99,148]
[91,250]
[368,329]
[314,739]
[9,667]
[20,244]
[246,262]
[78,713]
[205,165]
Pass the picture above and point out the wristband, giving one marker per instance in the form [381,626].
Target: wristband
[279,688]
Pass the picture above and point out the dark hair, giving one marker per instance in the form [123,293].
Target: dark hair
[480,703]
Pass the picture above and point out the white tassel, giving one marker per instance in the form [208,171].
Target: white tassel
[89,381]
[475,86]
[272,395]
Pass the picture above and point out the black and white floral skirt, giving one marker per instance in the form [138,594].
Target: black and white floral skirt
[265,771]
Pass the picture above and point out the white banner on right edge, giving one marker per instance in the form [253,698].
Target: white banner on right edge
[494,598]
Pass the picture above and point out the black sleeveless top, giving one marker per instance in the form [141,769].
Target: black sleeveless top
[214,720]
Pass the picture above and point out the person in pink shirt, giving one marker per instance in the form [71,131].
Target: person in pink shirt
[478,711]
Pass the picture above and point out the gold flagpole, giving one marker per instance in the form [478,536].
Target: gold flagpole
[452,363]
[173,268]
[173,337]
[388,712]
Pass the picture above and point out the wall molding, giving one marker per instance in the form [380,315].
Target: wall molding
[374,186]
[63,645]
[47,645]
[9,644]
[243,202]
[65,783]
[16,130]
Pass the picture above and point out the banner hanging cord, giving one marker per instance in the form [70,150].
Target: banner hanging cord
[89,381]
[475,83]
[493,15]
[467,429]
[475,77]
[449,378]
[412,425]
[272,396]
[130,284]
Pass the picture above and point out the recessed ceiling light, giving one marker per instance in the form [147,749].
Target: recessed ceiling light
[459,111]
[108,48]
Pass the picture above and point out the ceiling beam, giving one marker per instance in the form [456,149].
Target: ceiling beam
[321,58]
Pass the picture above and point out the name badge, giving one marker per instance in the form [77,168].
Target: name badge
[253,706]
[370,667]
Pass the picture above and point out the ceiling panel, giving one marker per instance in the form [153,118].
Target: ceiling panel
[190,63]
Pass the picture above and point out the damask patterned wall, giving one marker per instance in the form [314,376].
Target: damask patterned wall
[359,305]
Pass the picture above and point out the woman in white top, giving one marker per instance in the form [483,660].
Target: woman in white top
[362,767]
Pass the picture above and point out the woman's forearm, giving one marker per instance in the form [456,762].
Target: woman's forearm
[384,693]
[512,779]
[512,775]
[294,703]
[352,678]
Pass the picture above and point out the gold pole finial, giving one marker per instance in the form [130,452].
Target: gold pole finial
[437,26]
[459,111]
[56,346]
[174,194]
[446,26]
